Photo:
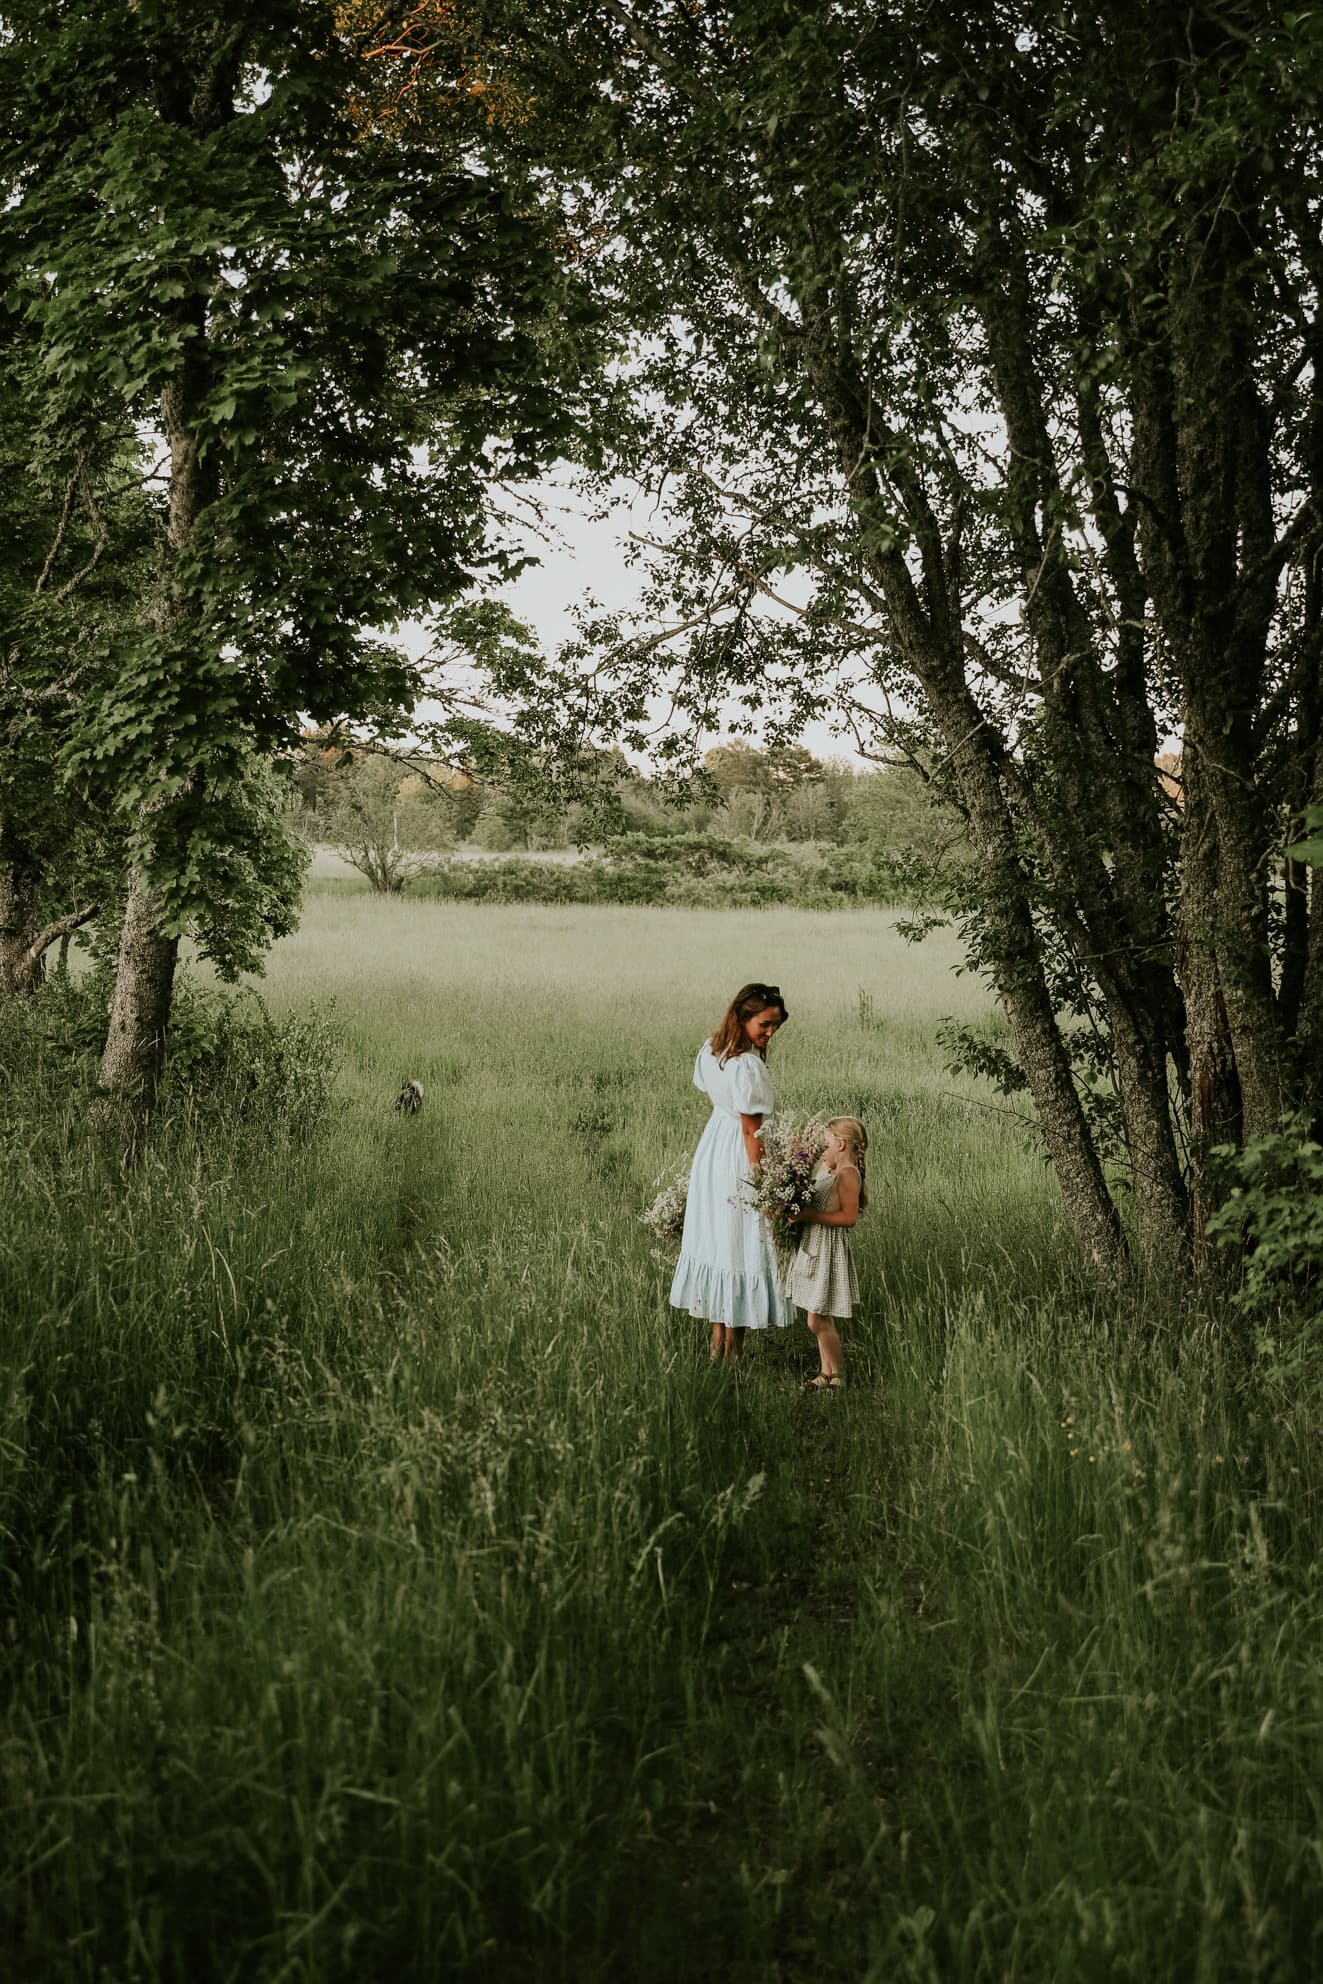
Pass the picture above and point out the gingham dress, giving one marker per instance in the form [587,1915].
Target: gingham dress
[821,1277]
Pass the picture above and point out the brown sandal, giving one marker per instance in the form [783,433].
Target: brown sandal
[822,1383]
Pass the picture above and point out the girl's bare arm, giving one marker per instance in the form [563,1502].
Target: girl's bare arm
[846,1209]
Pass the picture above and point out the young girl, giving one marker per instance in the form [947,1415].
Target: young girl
[822,1278]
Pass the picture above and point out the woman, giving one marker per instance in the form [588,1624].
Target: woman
[727,1272]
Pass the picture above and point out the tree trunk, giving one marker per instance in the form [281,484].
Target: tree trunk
[1162,1232]
[927,629]
[1216,1115]
[145,971]
[139,1011]
[1019,978]
[1218,625]
[1102,832]
[18,896]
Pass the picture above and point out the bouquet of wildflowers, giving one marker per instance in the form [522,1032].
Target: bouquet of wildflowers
[783,1182]
[664,1218]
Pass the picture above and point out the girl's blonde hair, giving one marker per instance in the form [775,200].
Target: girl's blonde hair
[851,1131]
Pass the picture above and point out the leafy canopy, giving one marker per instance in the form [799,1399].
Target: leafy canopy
[330,339]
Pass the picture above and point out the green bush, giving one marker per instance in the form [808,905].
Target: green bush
[46,1038]
[515,880]
[1273,1213]
[227,1057]
[683,871]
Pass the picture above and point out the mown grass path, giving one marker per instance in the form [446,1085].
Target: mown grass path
[393,1590]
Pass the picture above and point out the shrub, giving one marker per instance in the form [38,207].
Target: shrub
[516,880]
[683,871]
[1273,1213]
[227,1057]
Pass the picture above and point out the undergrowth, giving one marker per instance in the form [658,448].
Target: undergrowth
[392,1588]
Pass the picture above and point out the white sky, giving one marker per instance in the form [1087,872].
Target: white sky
[588,558]
[584,556]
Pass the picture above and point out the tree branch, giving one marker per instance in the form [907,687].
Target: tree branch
[63,926]
[102,534]
[61,528]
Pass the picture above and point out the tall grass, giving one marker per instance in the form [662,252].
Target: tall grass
[392,1588]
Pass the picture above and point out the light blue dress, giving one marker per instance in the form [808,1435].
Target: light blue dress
[727,1272]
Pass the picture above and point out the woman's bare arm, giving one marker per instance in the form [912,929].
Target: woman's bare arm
[753,1143]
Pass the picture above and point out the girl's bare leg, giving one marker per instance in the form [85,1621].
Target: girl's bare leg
[716,1342]
[830,1354]
[734,1345]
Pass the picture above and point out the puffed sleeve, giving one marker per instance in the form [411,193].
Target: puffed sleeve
[700,1071]
[754,1094]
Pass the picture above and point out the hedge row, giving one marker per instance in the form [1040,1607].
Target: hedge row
[689,871]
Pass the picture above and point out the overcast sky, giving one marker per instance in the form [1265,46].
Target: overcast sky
[590,558]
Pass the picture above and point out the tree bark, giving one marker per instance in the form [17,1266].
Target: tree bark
[1102,834]
[1022,987]
[1216,1114]
[1219,634]
[18,897]
[139,1011]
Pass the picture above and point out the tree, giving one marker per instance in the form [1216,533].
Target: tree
[892,810]
[384,820]
[978,359]
[784,793]
[337,332]
[60,599]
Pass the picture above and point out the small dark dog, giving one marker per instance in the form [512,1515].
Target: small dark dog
[410,1098]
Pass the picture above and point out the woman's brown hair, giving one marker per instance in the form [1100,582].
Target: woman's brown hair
[730,1038]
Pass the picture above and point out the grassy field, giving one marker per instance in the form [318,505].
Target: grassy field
[392,1590]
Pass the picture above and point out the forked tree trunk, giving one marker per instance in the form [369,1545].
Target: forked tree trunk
[930,637]
[139,1012]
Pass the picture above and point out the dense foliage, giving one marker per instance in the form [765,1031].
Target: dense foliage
[691,871]
[975,376]
[971,362]
[309,336]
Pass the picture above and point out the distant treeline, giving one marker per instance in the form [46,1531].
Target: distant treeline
[759,827]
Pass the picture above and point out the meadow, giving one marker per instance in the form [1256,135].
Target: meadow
[392,1588]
